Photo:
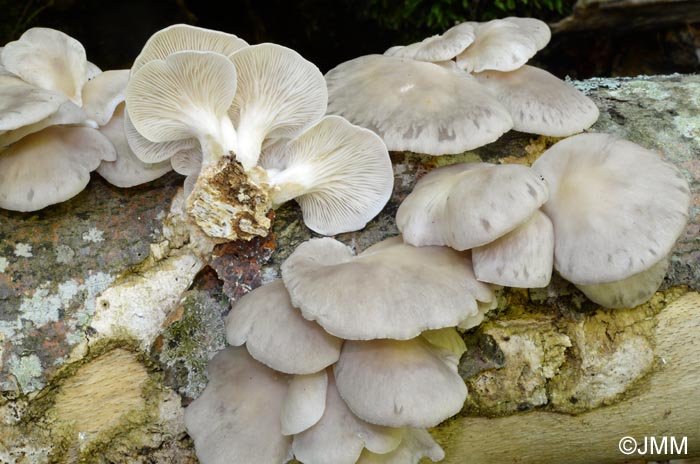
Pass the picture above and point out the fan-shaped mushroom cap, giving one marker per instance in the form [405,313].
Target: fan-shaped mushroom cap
[499,45]
[239,412]
[49,59]
[539,102]
[340,175]
[447,339]
[537,30]
[103,93]
[152,152]
[470,204]
[277,335]
[416,106]
[186,95]
[305,402]
[67,113]
[340,436]
[415,445]
[405,290]
[182,37]
[438,47]
[280,94]
[617,208]
[50,166]
[409,383]
[187,162]
[522,258]
[22,104]
[127,170]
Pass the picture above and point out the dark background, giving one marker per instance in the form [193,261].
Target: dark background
[329,32]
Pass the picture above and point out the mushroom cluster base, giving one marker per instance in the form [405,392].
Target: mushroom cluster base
[552,377]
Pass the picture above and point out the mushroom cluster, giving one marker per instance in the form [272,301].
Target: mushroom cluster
[460,90]
[349,358]
[604,212]
[245,123]
[61,118]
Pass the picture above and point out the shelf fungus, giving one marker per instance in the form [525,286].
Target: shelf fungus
[245,125]
[460,90]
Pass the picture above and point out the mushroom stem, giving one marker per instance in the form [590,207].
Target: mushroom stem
[251,134]
[219,140]
[287,184]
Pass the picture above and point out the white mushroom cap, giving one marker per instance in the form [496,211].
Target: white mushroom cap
[50,166]
[448,339]
[91,70]
[152,152]
[438,47]
[277,335]
[103,93]
[182,37]
[539,102]
[415,445]
[305,402]
[405,290]
[416,106]
[67,113]
[470,204]
[127,170]
[239,412]
[280,94]
[523,258]
[499,45]
[410,383]
[186,95]
[340,175]
[22,104]
[631,291]
[340,436]
[49,59]
[536,30]
[617,208]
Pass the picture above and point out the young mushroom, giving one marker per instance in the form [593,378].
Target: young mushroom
[617,211]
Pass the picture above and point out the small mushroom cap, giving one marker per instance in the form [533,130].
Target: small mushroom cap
[127,170]
[523,258]
[49,59]
[239,412]
[438,47]
[617,208]
[277,335]
[405,290]
[103,93]
[539,102]
[537,30]
[50,166]
[305,402]
[182,37]
[416,106]
[22,104]
[186,95]
[409,383]
[415,445]
[340,436]
[339,173]
[280,94]
[447,339]
[152,152]
[499,45]
[470,204]
[631,291]
[67,113]
[187,162]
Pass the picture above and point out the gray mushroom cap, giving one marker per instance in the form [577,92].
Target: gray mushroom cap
[470,204]
[415,445]
[239,412]
[438,47]
[400,383]
[416,106]
[405,290]
[617,208]
[277,335]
